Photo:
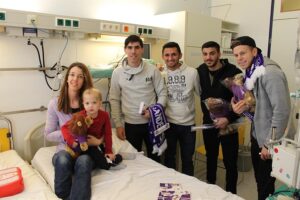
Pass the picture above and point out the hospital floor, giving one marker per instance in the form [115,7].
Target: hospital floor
[246,187]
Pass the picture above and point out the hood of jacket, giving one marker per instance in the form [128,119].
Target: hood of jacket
[132,70]
[181,68]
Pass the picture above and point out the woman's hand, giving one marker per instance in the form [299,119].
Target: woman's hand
[93,141]
[239,107]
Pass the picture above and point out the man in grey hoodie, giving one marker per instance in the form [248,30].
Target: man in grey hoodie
[269,85]
[182,82]
[133,82]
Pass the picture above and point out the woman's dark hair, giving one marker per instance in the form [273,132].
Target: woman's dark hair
[63,99]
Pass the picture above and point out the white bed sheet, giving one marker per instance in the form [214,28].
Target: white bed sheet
[139,180]
[34,185]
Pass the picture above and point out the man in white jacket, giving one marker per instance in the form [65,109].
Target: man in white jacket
[133,82]
[182,82]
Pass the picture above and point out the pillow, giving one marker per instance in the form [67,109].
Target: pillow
[121,146]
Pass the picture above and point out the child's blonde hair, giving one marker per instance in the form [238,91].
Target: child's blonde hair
[93,91]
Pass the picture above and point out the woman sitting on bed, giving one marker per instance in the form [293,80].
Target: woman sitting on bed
[92,121]
[60,110]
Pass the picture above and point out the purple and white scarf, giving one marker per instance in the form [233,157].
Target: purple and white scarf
[157,125]
[256,70]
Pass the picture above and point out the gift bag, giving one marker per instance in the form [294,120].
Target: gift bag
[11,181]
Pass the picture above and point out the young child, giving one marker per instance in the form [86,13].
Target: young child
[100,128]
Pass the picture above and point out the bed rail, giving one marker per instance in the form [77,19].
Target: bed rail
[34,140]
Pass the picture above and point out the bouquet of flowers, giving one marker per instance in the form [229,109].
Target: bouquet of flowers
[236,85]
[217,108]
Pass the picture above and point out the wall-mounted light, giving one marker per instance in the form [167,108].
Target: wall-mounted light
[106,38]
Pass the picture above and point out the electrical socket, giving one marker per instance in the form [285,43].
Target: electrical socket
[110,27]
[31,19]
[127,28]
[59,22]
[68,22]
[2,15]
[75,23]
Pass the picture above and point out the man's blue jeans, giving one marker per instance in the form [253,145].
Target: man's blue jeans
[81,168]
[187,141]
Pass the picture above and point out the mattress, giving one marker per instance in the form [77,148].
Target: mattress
[140,179]
[34,185]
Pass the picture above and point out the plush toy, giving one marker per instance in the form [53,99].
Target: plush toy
[241,93]
[77,127]
[236,85]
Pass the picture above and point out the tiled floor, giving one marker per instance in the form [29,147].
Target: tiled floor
[246,187]
[246,183]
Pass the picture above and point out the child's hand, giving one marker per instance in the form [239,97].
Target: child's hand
[111,156]
[84,146]
[74,145]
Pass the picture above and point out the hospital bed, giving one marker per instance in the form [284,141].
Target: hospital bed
[140,179]
[34,185]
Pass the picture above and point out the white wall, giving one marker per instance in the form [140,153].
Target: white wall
[131,11]
[284,42]
[252,16]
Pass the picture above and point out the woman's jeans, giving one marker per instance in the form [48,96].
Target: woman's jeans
[78,187]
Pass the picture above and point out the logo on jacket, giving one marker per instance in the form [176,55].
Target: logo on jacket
[148,79]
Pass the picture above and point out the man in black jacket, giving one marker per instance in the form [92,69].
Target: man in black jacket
[212,72]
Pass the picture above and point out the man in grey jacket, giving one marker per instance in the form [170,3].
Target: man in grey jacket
[133,82]
[269,85]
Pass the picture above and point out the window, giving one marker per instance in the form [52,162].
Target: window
[147,51]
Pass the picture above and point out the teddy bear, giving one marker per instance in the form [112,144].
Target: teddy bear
[236,84]
[241,93]
[77,126]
